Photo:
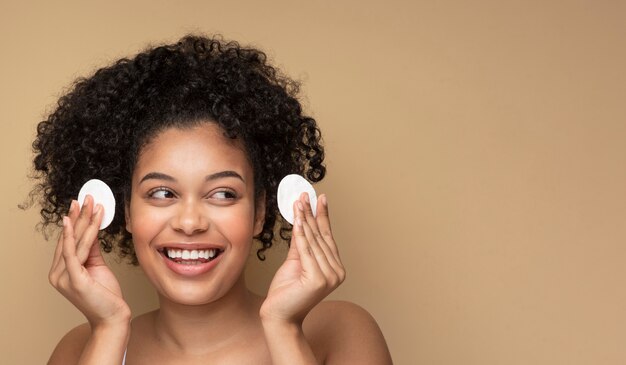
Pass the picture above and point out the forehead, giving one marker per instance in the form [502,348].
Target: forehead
[198,149]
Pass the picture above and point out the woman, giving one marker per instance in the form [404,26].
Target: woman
[193,139]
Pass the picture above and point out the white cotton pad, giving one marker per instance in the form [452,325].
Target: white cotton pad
[102,195]
[289,190]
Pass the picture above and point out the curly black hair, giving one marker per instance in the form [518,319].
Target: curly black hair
[99,127]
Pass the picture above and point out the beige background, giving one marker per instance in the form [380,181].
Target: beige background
[476,154]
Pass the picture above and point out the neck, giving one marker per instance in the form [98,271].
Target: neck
[208,327]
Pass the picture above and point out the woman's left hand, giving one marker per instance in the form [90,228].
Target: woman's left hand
[312,269]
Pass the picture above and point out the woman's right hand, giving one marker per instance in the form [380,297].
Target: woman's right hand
[79,272]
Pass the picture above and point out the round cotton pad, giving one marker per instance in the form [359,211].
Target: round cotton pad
[102,195]
[289,190]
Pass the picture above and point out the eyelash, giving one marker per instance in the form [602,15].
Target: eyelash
[229,195]
[152,192]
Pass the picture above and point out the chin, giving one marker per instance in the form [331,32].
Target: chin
[197,292]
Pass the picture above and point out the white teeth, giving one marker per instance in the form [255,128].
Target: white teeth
[191,254]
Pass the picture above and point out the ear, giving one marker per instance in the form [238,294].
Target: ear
[259,214]
[127,217]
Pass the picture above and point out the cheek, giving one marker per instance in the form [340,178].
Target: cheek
[236,224]
[146,223]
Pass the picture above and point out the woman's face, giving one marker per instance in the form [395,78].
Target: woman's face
[192,213]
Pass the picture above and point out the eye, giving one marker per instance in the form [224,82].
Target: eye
[161,193]
[224,195]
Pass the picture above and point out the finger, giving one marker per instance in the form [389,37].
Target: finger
[323,223]
[57,262]
[94,257]
[316,252]
[327,243]
[299,240]
[89,238]
[308,211]
[69,250]
[323,219]
[313,238]
[315,231]
[84,218]
[332,270]
[309,218]
[292,253]
[73,212]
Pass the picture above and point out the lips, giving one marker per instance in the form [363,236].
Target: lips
[190,260]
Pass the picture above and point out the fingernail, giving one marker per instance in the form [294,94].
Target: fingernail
[298,222]
[65,221]
[324,201]
[97,210]
[300,206]
[306,197]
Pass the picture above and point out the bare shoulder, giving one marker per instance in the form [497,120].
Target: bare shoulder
[342,332]
[71,346]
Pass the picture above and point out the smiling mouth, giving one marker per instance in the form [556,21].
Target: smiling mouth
[190,257]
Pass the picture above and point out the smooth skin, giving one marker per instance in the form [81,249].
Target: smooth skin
[211,318]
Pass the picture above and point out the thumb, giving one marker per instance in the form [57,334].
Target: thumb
[95,255]
[293,253]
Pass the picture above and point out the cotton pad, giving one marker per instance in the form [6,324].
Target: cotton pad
[289,190]
[101,194]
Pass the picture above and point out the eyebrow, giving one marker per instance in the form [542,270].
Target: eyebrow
[211,177]
[223,174]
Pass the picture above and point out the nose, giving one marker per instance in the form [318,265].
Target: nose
[190,219]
